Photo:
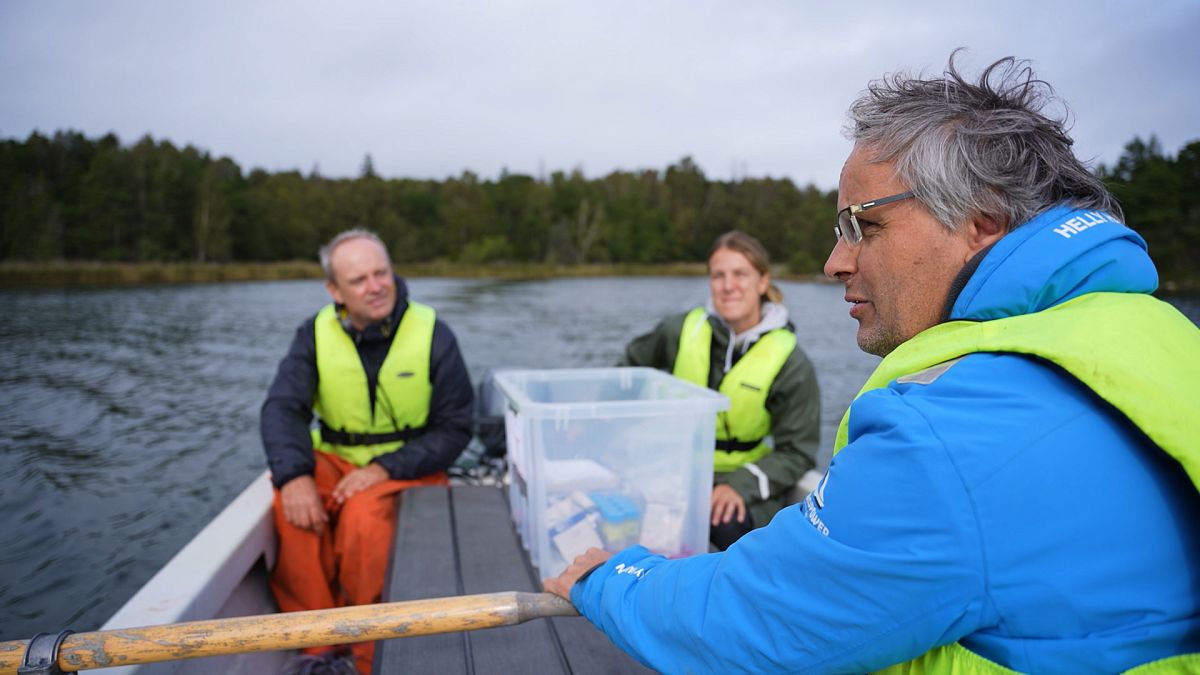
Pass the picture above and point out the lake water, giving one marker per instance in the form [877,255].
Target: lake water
[129,417]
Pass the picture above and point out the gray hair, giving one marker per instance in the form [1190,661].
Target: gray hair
[326,251]
[981,148]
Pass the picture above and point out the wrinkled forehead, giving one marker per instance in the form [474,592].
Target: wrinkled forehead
[358,252]
[865,177]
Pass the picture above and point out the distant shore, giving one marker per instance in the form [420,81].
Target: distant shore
[62,273]
[52,274]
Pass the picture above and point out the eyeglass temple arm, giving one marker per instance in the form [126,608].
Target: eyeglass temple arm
[886,200]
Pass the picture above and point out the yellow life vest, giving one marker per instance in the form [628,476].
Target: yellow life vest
[741,430]
[350,427]
[1101,339]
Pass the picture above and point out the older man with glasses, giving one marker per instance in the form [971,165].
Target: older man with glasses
[1016,486]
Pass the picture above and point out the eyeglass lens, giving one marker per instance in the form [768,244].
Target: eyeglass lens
[847,228]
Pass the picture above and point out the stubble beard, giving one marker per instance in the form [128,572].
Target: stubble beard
[877,341]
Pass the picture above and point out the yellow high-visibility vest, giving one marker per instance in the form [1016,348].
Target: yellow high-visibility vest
[741,430]
[351,428]
[1101,339]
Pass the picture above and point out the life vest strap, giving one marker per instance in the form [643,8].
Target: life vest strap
[734,445]
[340,437]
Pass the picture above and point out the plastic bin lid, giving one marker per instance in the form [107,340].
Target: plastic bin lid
[661,393]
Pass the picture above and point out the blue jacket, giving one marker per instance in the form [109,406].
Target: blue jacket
[1000,505]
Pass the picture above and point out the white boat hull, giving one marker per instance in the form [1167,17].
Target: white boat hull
[220,573]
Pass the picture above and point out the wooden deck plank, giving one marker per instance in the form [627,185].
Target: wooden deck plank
[461,541]
[590,652]
[422,566]
[491,559]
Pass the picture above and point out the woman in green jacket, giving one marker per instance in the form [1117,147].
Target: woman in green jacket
[744,346]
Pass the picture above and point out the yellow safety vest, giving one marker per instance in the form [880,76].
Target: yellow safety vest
[741,430]
[350,427]
[1101,339]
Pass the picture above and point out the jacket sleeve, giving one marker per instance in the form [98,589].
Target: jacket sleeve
[656,349]
[794,403]
[451,406]
[287,413]
[882,563]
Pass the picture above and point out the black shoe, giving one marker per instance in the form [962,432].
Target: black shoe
[329,663]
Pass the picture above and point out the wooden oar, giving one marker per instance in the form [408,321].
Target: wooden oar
[293,630]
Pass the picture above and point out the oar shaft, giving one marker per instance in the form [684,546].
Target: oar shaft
[293,630]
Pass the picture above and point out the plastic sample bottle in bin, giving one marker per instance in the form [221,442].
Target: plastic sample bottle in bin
[608,457]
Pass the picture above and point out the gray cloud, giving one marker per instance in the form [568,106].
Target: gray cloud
[433,89]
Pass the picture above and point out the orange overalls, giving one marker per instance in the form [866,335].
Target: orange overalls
[346,565]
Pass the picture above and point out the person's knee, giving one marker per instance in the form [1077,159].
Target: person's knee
[364,512]
[724,534]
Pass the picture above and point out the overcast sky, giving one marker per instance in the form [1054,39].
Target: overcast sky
[435,88]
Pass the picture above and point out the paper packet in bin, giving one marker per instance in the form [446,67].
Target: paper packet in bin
[662,529]
[572,525]
[565,511]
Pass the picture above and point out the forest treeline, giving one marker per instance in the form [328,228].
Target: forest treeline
[68,197]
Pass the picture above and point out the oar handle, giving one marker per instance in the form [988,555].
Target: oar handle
[293,630]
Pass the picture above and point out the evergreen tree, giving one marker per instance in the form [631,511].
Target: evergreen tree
[68,197]
[368,168]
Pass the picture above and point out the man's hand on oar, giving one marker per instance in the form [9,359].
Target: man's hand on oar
[579,568]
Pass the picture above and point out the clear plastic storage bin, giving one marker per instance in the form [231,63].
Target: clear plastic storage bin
[608,457]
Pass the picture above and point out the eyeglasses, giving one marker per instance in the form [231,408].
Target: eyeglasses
[847,228]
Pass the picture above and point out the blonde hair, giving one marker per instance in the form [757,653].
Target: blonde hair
[755,252]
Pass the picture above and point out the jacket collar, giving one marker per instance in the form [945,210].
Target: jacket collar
[1060,254]
[774,316]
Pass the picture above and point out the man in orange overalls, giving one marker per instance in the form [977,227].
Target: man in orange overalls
[388,384]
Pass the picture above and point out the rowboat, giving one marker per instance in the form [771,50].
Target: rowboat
[209,609]
[222,573]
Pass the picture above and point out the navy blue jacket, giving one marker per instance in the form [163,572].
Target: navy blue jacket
[287,413]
